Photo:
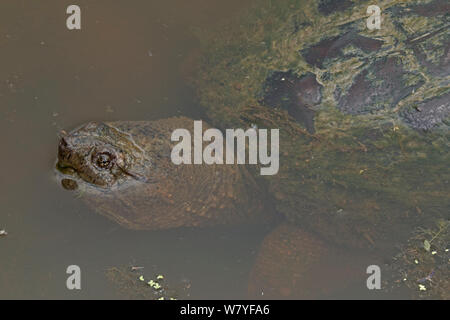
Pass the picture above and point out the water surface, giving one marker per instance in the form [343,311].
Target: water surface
[129,62]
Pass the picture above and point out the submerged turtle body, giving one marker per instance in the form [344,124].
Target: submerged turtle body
[363,114]
[364,150]
[123,170]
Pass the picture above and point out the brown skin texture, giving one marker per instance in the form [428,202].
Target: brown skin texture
[124,172]
[295,264]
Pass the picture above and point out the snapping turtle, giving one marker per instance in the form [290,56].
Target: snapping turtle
[363,118]
[125,171]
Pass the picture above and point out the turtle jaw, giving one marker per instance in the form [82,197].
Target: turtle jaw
[66,175]
[64,169]
[71,165]
[67,160]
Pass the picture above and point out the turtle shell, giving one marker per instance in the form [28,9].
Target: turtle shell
[363,114]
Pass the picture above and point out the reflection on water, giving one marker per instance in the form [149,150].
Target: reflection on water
[127,62]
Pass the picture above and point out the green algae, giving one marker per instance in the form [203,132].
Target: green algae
[421,265]
[359,176]
[131,283]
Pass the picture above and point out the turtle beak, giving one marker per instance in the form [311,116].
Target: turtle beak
[64,157]
[63,165]
[66,170]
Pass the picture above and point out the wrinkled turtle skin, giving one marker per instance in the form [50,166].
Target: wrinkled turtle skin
[124,171]
[364,150]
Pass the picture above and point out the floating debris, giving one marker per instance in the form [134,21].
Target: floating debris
[3,233]
[141,286]
[157,286]
[427,278]
[136,268]
[424,272]
[427,245]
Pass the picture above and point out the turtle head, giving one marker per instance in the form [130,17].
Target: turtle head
[100,155]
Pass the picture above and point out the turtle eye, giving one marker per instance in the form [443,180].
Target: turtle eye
[103,160]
